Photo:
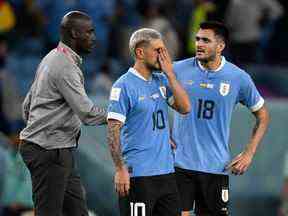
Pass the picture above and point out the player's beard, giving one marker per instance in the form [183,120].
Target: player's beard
[153,67]
[209,58]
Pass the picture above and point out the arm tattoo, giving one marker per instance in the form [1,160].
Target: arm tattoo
[113,138]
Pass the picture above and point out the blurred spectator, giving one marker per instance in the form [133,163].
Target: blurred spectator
[9,107]
[101,12]
[202,11]
[284,196]
[5,125]
[249,21]
[2,173]
[10,101]
[53,12]
[221,8]
[154,19]
[29,15]
[16,196]
[102,82]
[7,17]
[125,20]
[33,39]
[30,24]
[278,41]
[178,13]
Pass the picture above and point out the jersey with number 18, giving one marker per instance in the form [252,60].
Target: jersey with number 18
[142,105]
[202,136]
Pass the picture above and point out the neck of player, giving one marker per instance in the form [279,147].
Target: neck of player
[142,69]
[213,64]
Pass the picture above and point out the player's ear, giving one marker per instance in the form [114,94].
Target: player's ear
[74,34]
[221,46]
[139,52]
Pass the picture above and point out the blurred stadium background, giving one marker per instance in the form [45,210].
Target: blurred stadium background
[259,32]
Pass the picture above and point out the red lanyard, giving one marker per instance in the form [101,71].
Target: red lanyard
[66,52]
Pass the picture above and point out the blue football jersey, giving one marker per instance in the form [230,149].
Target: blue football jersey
[202,136]
[142,106]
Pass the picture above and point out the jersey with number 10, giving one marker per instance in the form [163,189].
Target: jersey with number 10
[202,135]
[142,106]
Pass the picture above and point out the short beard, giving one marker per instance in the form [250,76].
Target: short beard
[152,67]
[208,59]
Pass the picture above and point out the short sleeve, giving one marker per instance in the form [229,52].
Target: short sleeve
[249,95]
[118,102]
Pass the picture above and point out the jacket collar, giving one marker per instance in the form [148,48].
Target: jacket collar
[72,55]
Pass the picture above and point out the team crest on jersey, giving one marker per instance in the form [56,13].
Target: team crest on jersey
[224,89]
[225,195]
[163,91]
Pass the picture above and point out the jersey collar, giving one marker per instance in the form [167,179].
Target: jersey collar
[136,73]
[223,61]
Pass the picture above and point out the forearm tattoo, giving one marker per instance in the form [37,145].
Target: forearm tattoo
[113,138]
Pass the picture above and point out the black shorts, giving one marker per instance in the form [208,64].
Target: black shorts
[209,192]
[154,195]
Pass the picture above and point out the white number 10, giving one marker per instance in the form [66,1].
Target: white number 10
[134,209]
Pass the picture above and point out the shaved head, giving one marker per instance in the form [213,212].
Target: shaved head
[72,20]
[77,31]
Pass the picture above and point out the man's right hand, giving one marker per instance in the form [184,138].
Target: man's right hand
[166,62]
[240,163]
[122,181]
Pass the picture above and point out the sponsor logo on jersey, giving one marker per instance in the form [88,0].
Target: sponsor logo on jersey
[207,85]
[189,82]
[141,98]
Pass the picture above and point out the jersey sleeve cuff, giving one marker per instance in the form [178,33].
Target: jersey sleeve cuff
[116,116]
[258,105]
[171,101]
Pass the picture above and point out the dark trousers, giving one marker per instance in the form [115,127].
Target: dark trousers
[57,190]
